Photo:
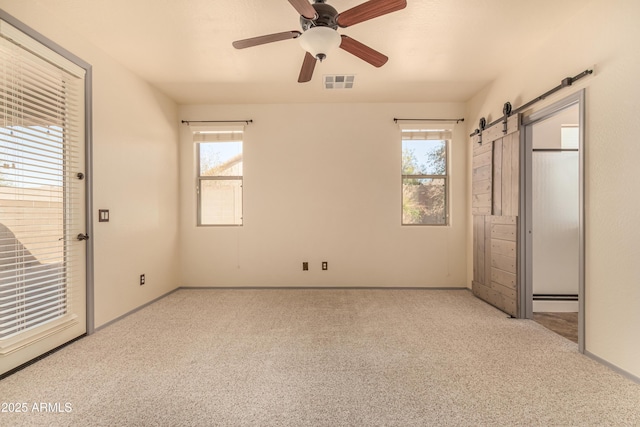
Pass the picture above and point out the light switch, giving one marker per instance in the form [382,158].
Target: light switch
[103,215]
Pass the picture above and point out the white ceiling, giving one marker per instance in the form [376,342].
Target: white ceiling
[439,50]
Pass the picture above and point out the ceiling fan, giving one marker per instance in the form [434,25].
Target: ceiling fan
[319,35]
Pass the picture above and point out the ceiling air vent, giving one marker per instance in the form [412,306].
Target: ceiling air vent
[338,81]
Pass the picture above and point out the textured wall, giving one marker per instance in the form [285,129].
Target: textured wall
[322,183]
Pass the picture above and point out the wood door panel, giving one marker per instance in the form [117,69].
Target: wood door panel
[487,250]
[482,172]
[478,248]
[497,177]
[504,263]
[482,186]
[482,175]
[503,278]
[505,291]
[504,302]
[514,175]
[506,177]
[481,204]
[481,148]
[503,232]
[482,158]
[503,247]
[495,205]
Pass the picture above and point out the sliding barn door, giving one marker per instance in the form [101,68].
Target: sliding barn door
[495,204]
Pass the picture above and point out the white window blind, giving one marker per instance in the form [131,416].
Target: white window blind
[41,197]
[218,134]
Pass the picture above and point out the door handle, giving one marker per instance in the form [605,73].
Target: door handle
[83,237]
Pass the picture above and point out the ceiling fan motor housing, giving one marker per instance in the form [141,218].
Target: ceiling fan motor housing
[326,17]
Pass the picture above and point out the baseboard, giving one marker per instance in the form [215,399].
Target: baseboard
[111,322]
[267,288]
[613,367]
[390,288]
[543,306]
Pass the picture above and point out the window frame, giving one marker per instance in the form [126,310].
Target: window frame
[445,177]
[202,178]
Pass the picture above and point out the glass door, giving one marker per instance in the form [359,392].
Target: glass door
[42,203]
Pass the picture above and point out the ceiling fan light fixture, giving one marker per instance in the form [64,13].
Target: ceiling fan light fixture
[319,41]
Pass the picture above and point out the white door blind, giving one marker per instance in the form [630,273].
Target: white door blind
[41,197]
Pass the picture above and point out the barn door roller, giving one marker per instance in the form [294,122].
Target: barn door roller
[508,111]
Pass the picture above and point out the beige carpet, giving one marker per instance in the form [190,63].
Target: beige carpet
[322,358]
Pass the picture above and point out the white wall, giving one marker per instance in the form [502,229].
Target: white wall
[604,33]
[135,175]
[322,183]
[136,178]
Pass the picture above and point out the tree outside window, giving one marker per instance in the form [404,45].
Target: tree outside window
[424,182]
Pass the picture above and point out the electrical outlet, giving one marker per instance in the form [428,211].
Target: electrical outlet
[325,265]
[305,266]
[142,279]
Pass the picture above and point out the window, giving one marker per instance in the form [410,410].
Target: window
[220,176]
[425,176]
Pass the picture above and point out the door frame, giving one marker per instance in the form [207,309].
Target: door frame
[88,157]
[526,242]
[88,154]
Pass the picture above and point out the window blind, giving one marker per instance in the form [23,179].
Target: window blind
[41,198]
[217,136]
[219,133]
[426,131]
[426,135]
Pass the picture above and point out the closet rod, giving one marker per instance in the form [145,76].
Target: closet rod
[568,81]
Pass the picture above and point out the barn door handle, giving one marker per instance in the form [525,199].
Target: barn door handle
[83,237]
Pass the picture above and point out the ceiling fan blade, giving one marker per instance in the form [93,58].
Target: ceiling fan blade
[363,52]
[304,8]
[269,38]
[307,68]
[369,10]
